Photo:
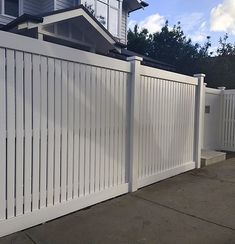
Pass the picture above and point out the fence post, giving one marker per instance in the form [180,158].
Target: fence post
[221,116]
[200,106]
[134,122]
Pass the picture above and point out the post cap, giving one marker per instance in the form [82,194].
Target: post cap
[199,76]
[135,58]
[222,88]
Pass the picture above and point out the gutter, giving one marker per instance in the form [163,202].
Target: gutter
[142,6]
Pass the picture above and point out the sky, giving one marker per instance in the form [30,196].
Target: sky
[199,18]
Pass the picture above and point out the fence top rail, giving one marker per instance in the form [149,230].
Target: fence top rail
[167,75]
[39,47]
[229,92]
[213,91]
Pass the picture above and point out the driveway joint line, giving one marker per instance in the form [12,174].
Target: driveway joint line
[211,178]
[31,239]
[181,212]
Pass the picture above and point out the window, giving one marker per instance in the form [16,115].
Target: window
[10,7]
[102,13]
[107,12]
[113,21]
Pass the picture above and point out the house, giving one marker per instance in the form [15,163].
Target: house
[75,23]
[66,19]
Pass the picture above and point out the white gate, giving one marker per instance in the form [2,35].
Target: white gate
[164,143]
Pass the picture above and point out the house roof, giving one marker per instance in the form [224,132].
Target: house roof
[82,16]
[37,19]
[133,5]
[146,60]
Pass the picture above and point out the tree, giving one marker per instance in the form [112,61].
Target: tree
[172,46]
[139,41]
[225,48]
[168,45]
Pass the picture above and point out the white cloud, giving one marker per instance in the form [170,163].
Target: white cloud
[200,34]
[153,23]
[190,21]
[223,17]
[193,24]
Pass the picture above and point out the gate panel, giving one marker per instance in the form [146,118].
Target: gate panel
[166,126]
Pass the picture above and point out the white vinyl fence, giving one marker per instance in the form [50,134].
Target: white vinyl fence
[219,129]
[212,119]
[78,128]
[166,119]
[228,120]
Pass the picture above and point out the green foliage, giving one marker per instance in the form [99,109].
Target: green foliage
[172,46]
[225,48]
[139,41]
[169,45]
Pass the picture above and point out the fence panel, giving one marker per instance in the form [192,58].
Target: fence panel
[227,138]
[76,130]
[166,125]
[63,124]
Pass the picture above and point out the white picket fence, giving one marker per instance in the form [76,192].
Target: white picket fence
[78,128]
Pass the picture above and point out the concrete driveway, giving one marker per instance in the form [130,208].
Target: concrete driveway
[196,207]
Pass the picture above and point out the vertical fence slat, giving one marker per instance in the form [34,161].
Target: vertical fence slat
[140,145]
[19,133]
[98,87]
[103,156]
[107,128]
[2,135]
[28,131]
[70,129]
[64,145]
[125,119]
[93,129]
[88,129]
[10,133]
[115,123]
[82,95]
[36,130]
[43,145]
[119,146]
[76,130]
[57,114]
[232,121]
[112,128]
[51,122]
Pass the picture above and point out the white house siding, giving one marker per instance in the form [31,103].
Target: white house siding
[124,26]
[61,4]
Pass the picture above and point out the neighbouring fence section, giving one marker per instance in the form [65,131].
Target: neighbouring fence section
[78,128]
[212,122]
[219,124]
[227,131]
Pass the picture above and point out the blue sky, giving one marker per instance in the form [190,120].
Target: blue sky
[199,18]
